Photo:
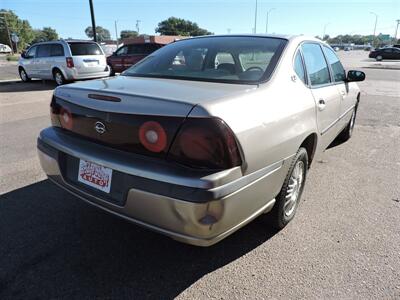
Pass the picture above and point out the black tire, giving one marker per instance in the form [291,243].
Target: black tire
[279,215]
[22,74]
[112,72]
[58,77]
[347,132]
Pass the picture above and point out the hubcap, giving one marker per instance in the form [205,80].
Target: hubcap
[59,79]
[294,189]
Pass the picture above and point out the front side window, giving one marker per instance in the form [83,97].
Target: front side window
[142,49]
[243,59]
[31,52]
[315,63]
[81,49]
[44,50]
[339,73]
[299,68]
[122,51]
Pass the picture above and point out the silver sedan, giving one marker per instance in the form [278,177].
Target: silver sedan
[203,135]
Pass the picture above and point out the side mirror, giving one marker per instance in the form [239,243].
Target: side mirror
[23,54]
[354,75]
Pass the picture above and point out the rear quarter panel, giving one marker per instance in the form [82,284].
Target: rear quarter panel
[271,122]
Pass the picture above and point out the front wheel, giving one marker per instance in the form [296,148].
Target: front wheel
[379,58]
[347,132]
[23,75]
[289,197]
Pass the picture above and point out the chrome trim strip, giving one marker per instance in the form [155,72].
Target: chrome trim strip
[337,120]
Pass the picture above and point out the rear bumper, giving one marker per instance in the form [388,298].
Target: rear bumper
[73,74]
[199,210]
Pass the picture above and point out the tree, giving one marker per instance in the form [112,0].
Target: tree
[176,26]
[102,33]
[45,34]
[21,28]
[128,34]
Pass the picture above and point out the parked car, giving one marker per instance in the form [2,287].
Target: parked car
[64,60]
[197,149]
[396,46]
[128,55]
[385,53]
[5,48]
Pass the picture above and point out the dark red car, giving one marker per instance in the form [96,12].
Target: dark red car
[134,50]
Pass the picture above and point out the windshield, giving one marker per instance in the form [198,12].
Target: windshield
[231,59]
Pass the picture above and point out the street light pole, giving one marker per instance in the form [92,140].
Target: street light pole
[266,25]
[116,32]
[323,35]
[376,21]
[395,33]
[93,21]
[255,18]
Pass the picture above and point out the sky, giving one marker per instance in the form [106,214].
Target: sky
[71,17]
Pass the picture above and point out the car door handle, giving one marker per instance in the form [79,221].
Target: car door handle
[321,104]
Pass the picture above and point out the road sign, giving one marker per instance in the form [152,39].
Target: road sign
[14,38]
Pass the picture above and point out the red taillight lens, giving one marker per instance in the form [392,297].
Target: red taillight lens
[205,143]
[66,118]
[70,62]
[152,136]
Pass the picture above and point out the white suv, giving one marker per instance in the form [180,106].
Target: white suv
[64,60]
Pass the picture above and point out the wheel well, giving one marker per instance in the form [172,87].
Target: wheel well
[310,144]
[54,70]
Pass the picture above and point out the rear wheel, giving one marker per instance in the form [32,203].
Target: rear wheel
[346,134]
[289,197]
[58,77]
[23,75]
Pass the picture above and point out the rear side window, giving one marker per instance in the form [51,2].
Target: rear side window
[78,49]
[315,63]
[299,67]
[44,50]
[57,50]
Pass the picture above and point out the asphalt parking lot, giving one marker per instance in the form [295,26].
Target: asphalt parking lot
[343,244]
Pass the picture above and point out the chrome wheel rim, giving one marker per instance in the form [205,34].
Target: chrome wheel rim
[59,79]
[23,75]
[294,189]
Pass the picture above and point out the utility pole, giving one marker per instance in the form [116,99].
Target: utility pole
[116,32]
[137,26]
[266,25]
[376,21]
[395,33]
[93,21]
[8,32]
[255,19]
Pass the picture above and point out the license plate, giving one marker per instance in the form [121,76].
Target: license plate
[94,175]
[92,64]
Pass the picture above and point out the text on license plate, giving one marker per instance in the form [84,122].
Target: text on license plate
[95,175]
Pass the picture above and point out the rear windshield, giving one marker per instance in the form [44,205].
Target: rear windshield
[85,49]
[230,59]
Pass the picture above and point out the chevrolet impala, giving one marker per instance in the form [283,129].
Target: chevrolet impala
[203,135]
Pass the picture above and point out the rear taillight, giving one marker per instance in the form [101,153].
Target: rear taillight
[66,118]
[70,62]
[205,143]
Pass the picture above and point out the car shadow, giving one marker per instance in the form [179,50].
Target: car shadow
[53,245]
[20,86]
